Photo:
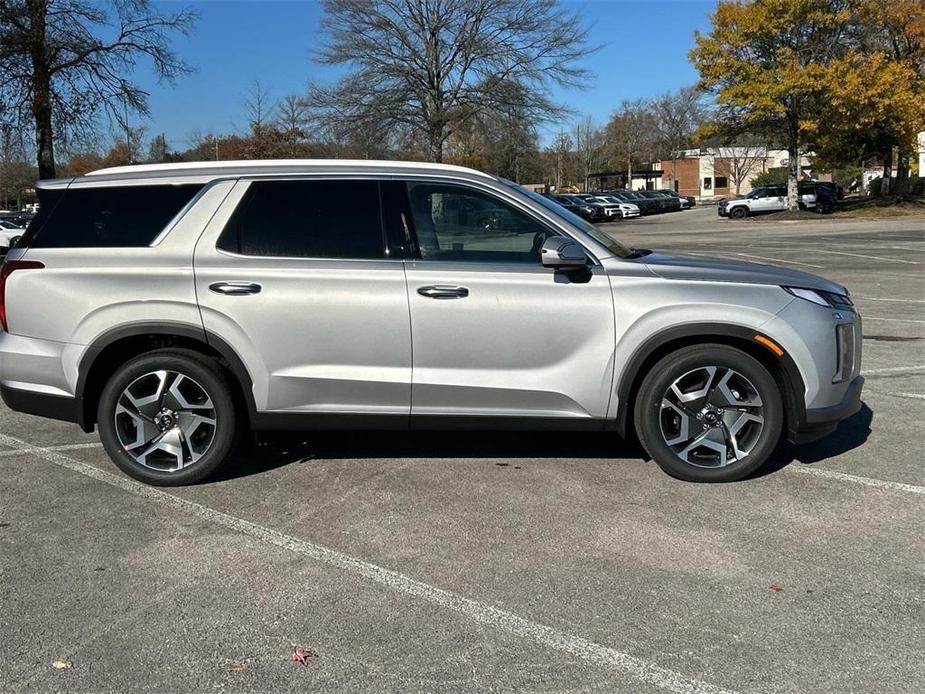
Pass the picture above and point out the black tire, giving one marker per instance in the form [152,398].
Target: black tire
[647,415]
[738,212]
[208,374]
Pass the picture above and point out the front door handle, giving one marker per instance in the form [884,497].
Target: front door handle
[443,291]
[235,288]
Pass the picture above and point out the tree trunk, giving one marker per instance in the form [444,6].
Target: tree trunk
[436,150]
[793,175]
[41,94]
[629,173]
[902,172]
[886,183]
[674,173]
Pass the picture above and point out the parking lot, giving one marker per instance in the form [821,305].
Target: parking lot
[539,562]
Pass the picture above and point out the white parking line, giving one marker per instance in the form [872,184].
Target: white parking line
[904,301]
[892,320]
[912,396]
[575,646]
[869,257]
[893,370]
[65,447]
[780,260]
[857,479]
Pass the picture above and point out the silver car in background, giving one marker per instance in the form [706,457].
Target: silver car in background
[173,306]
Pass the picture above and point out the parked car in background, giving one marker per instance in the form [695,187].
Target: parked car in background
[687,201]
[766,199]
[665,202]
[611,209]
[9,235]
[645,205]
[595,210]
[577,206]
[371,295]
[19,219]
[627,209]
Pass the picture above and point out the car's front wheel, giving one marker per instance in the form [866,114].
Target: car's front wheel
[709,414]
[168,417]
[738,212]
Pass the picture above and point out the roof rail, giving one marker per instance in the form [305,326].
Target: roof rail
[181,167]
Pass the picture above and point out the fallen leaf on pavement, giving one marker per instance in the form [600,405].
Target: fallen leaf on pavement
[303,655]
[776,587]
[237,667]
[62,664]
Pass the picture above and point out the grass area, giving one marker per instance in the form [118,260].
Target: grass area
[881,208]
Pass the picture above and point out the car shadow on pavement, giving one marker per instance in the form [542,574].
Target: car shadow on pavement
[271,450]
[851,433]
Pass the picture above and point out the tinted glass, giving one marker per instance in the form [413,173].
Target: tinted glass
[117,216]
[575,221]
[307,219]
[456,223]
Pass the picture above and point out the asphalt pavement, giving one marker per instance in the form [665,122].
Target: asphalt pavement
[497,562]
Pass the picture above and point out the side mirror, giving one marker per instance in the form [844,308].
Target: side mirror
[564,253]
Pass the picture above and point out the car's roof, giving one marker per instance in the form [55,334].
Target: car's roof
[208,170]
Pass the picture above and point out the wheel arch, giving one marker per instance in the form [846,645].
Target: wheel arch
[116,346]
[782,368]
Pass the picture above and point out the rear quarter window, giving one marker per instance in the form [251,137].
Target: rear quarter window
[307,219]
[111,217]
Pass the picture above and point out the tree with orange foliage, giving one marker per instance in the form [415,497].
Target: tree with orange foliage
[766,62]
[842,75]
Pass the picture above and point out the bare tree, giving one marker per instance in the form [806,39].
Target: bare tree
[259,108]
[158,150]
[433,65]
[560,156]
[590,144]
[630,134]
[291,120]
[677,116]
[64,61]
[743,161]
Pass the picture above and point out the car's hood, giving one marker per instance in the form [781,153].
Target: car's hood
[687,267]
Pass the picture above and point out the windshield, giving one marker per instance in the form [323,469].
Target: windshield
[574,221]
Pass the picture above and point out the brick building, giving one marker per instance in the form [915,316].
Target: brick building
[716,172]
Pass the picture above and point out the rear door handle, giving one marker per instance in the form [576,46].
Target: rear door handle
[443,291]
[235,288]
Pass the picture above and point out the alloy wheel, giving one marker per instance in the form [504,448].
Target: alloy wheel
[165,420]
[711,417]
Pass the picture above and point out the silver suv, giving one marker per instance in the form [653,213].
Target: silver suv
[174,306]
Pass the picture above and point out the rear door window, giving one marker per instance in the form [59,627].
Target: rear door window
[111,216]
[307,219]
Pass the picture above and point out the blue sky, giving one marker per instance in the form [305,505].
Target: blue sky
[644,53]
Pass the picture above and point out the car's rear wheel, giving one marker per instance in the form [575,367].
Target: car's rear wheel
[709,414]
[738,212]
[168,417]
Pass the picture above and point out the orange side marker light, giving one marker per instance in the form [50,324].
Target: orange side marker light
[770,344]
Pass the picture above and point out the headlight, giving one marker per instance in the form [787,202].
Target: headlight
[822,298]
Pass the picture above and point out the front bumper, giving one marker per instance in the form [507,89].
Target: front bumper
[822,421]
